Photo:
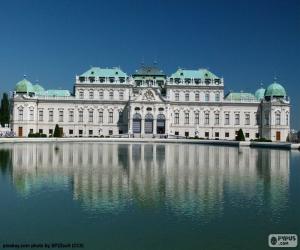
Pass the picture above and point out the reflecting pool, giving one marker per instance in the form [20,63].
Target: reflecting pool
[147,196]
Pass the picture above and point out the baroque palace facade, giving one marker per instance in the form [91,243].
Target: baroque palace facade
[188,103]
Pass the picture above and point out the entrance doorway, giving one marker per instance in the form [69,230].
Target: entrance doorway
[20,131]
[136,123]
[278,136]
[161,124]
[149,124]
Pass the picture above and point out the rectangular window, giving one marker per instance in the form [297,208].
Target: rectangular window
[50,115]
[40,131]
[110,117]
[287,119]
[31,131]
[207,97]
[226,119]
[80,132]
[70,131]
[217,97]
[91,115]
[90,132]
[176,133]
[31,114]
[186,134]
[177,97]
[206,134]
[50,131]
[41,115]
[237,119]
[111,95]
[80,116]
[217,134]
[226,134]
[186,118]
[110,132]
[217,119]
[206,120]
[71,116]
[81,94]
[187,97]
[197,97]
[247,119]
[91,94]
[101,95]
[197,118]
[100,120]
[121,95]
[247,135]
[277,119]
[257,135]
[61,116]
[176,119]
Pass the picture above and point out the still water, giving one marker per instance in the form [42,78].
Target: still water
[147,196]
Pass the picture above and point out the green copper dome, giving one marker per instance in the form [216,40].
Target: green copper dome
[276,90]
[24,86]
[260,93]
[38,88]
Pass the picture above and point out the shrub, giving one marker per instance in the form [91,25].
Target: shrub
[240,136]
[57,132]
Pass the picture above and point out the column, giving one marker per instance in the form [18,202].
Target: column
[154,126]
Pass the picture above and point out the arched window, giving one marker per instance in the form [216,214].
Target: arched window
[277,118]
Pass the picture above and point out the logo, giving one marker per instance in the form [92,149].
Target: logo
[283,240]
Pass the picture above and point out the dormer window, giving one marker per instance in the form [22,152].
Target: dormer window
[217,81]
[81,78]
[111,79]
[117,72]
[207,81]
[92,73]
[181,74]
[177,80]
[102,79]
[122,79]
[92,78]
[187,80]
[197,81]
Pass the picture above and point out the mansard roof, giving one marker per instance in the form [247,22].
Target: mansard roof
[104,72]
[196,74]
[240,96]
[149,71]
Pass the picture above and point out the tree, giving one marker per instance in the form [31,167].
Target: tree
[4,110]
[57,131]
[240,136]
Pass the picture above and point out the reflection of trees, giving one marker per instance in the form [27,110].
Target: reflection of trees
[5,160]
[189,179]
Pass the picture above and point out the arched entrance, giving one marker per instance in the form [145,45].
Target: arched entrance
[136,123]
[161,124]
[149,124]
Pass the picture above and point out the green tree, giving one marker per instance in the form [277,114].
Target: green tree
[240,136]
[57,131]
[4,110]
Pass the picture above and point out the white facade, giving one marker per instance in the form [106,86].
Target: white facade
[189,103]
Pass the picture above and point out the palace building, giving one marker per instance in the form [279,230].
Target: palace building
[148,103]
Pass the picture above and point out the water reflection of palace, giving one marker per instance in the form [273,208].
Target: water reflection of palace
[184,178]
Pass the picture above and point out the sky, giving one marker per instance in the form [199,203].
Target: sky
[246,42]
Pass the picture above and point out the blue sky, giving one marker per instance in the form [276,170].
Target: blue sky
[246,42]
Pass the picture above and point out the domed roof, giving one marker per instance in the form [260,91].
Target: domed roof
[24,86]
[260,93]
[275,89]
[38,88]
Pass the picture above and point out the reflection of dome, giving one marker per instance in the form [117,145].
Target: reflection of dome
[260,93]
[276,90]
[24,86]
[38,88]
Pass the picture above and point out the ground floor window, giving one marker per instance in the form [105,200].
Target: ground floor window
[90,132]
[80,132]
[31,131]
[71,131]
[120,132]
[226,134]
[176,133]
[247,135]
[217,134]
[257,135]
[50,131]
[186,134]
[206,134]
[40,131]
[110,132]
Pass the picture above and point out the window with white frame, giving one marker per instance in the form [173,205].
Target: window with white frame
[101,95]
[217,97]
[121,95]
[110,117]
[227,121]
[247,119]
[71,115]
[176,118]
[20,114]
[186,118]
[100,117]
[80,115]
[61,116]
[277,118]
[197,97]
[197,118]
[31,114]
[81,94]
[91,115]
[51,115]
[111,95]
[287,119]
[177,96]
[206,118]
[91,94]
[41,115]
[237,119]
[187,97]
[217,118]
[207,97]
